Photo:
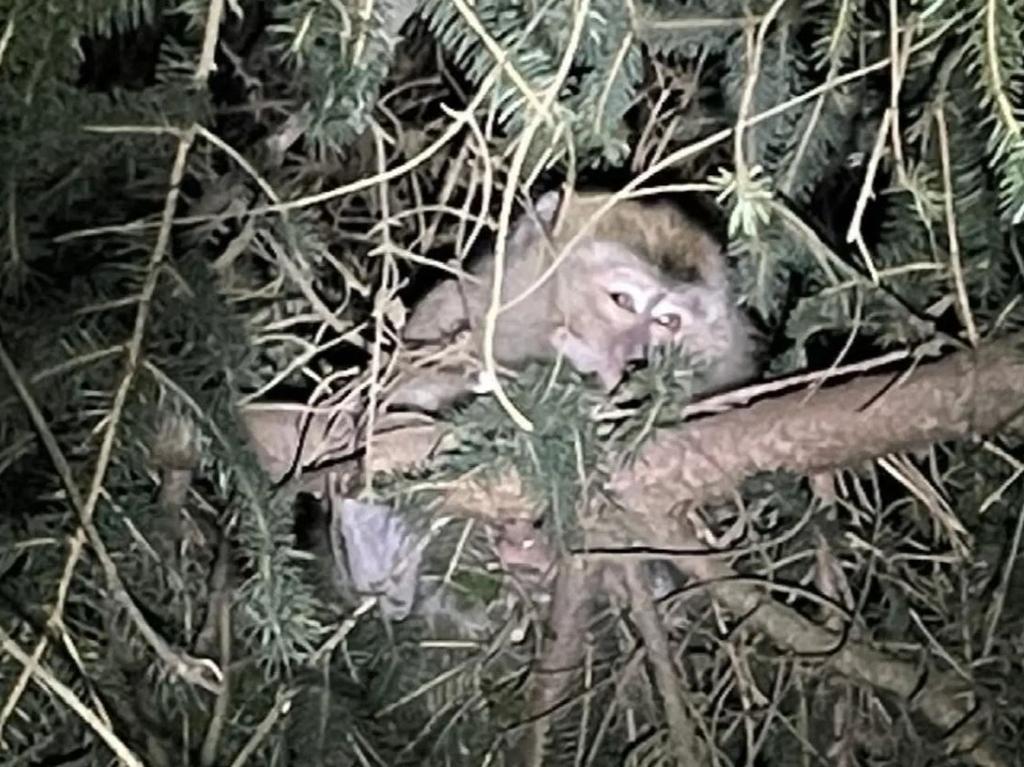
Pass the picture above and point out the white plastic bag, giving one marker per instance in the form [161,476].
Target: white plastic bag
[374,549]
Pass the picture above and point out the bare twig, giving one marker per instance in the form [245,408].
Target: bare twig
[5,38]
[525,142]
[46,679]
[955,264]
[211,35]
[282,704]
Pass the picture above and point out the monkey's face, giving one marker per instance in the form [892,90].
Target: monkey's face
[614,305]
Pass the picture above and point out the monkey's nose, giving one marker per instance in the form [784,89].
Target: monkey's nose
[634,342]
[636,353]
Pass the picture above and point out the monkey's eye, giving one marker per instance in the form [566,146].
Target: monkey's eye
[624,301]
[670,322]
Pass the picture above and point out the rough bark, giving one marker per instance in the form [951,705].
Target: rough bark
[964,395]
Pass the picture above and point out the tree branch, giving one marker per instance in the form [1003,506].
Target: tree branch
[966,394]
[961,396]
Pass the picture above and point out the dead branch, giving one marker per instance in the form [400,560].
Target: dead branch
[559,666]
[682,731]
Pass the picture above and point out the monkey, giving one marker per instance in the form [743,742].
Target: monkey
[643,274]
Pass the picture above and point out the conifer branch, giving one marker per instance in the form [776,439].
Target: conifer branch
[86,506]
[942,697]
[47,679]
[293,235]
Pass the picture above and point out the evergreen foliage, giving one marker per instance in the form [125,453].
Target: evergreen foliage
[853,230]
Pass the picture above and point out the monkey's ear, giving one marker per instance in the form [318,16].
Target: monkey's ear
[547,206]
[535,223]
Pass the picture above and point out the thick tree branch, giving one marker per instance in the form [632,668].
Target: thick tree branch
[556,677]
[963,395]
[682,731]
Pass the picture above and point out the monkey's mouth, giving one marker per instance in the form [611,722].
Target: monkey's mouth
[632,347]
[637,366]
[653,354]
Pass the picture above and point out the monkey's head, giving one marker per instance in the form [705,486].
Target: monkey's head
[614,305]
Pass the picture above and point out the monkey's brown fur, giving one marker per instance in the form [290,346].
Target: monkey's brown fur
[657,230]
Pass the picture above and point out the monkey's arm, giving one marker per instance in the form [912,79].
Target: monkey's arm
[431,390]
